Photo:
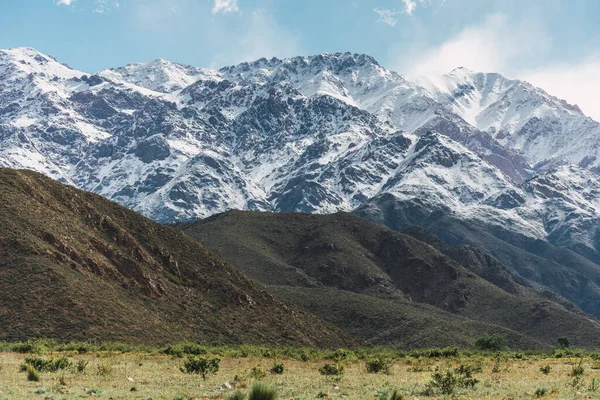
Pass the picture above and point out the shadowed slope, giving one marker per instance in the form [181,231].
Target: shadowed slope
[76,266]
[351,272]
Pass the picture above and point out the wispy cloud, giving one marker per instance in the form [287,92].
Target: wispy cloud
[577,82]
[105,6]
[516,48]
[97,6]
[492,46]
[387,16]
[408,7]
[225,6]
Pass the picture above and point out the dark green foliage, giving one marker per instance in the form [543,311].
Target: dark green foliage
[32,374]
[332,371]
[491,342]
[46,365]
[277,369]
[236,396]
[201,365]
[378,365]
[262,392]
[540,392]
[545,369]
[563,343]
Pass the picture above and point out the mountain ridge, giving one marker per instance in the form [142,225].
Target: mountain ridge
[321,134]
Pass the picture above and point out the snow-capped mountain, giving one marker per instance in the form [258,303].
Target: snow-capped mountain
[313,134]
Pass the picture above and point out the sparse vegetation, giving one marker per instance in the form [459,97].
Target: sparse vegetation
[433,375]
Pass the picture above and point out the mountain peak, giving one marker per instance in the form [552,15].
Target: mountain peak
[29,60]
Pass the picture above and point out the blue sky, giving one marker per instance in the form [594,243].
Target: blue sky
[552,43]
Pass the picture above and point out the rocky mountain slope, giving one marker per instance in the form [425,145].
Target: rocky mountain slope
[351,272]
[320,134]
[75,266]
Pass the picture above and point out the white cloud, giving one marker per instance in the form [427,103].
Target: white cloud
[225,6]
[387,16]
[105,6]
[65,2]
[409,6]
[577,82]
[516,49]
[492,46]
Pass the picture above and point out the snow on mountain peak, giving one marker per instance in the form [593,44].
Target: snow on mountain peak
[28,61]
[159,75]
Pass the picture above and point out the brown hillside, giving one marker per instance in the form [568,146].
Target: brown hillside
[391,273]
[74,266]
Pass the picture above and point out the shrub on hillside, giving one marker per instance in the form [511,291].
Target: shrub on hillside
[491,342]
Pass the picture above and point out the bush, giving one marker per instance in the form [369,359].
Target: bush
[545,369]
[104,369]
[81,365]
[332,371]
[563,343]
[46,365]
[201,365]
[540,392]
[236,396]
[258,372]
[262,392]
[378,365]
[32,374]
[448,382]
[391,395]
[277,369]
[491,342]
[577,370]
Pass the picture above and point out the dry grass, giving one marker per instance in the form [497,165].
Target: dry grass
[139,376]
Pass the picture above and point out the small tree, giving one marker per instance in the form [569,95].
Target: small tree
[491,342]
[563,343]
[201,365]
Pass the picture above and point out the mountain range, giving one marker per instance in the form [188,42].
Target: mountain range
[476,158]
[75,266]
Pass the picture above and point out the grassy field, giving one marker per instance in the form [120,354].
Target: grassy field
[151,375]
